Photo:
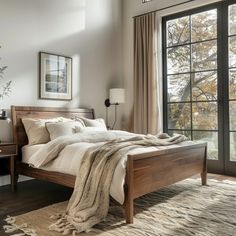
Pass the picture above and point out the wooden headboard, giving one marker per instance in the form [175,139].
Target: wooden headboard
[19,112]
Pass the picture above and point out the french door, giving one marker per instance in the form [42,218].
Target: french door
[199,66]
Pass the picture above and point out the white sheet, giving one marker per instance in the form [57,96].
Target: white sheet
[68,162]
[29,150]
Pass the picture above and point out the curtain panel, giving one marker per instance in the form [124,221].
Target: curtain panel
[145,119]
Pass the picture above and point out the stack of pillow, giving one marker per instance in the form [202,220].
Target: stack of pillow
[41,131]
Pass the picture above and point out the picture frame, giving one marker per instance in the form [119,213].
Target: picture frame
[55,76]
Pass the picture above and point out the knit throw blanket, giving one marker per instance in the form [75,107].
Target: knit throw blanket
[90,200]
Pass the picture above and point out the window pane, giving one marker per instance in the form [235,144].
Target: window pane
[232,84]
[232,51]
[184,132]
[232,19]
[212,142]
[232,115]
[178,59]
[178,88]
[204,115]
[204,86]
[179,116]
[178,31]
[204,25]
[204,56]
[232,146]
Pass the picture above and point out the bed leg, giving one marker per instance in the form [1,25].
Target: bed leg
[204,178]
[13,173]
[204,173]
[129,198]
[129,211]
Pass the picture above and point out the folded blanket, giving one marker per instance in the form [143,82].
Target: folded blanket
[90,200]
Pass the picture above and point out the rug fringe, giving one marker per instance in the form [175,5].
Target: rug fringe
[63,226]
[12,227]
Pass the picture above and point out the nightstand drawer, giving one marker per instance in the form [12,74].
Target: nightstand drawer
[7,150]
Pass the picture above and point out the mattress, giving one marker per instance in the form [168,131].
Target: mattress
[68,162]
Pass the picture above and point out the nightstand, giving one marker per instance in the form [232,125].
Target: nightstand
[9,150]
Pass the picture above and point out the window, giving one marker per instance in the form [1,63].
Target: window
[232,79]
[197,93]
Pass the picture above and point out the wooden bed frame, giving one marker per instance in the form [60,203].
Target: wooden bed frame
[145,172]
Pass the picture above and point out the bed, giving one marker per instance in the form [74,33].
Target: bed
[145,172]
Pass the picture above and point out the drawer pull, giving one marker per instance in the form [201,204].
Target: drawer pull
[0,150]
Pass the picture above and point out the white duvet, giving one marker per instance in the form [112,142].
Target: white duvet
[69,158]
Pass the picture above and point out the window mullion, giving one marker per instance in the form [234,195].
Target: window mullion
[191,75]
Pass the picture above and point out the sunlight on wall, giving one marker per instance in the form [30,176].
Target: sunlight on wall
[101,12]
[87,30]
[67,21]
[76,82]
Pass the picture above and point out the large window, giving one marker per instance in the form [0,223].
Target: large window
[196,85]
[232,79]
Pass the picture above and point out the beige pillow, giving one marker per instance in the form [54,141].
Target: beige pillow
[79,129]
[59,129]
[36,130]
[94,122]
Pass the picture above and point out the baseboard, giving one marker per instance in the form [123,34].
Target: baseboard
[5,180]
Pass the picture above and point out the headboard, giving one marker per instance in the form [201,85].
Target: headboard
[19,112]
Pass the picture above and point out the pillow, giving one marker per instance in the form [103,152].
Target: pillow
[36,130]
[79,129]
[94,122]
[58,129]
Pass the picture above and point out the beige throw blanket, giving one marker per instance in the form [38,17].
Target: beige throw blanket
[90,200]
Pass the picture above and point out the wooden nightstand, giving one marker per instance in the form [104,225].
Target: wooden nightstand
[9,150]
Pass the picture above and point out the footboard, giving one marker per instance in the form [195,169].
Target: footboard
[150,171]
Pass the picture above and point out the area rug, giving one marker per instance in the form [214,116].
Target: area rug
[185,208]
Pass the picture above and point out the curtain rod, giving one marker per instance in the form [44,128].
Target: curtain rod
[164,8]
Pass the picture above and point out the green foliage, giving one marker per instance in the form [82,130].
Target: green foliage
[5,87]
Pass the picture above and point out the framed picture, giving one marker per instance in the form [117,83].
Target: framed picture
[55,76]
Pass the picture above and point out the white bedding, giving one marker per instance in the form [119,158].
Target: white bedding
[68,162]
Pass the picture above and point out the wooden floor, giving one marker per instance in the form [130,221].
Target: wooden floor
[31,195]
[34,194]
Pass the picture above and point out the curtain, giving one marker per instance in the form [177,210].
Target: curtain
[145,117]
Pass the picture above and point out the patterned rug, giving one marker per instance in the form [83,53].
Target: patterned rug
[185,208]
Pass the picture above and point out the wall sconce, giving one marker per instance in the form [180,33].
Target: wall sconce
[116,96]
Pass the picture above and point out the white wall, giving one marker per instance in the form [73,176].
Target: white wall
[87,30]
[136,7]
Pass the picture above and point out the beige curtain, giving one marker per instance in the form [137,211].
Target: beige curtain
[145,74]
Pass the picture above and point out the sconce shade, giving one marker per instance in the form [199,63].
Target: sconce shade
[117,95]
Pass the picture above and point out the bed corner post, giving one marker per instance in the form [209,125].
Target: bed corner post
[13,118]
[129,200]
[204,172]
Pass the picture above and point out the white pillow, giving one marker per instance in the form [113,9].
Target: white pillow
[94,122]
[59,129]
[79,129]
[36,130]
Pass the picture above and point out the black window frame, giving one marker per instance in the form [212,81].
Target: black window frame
[222,72]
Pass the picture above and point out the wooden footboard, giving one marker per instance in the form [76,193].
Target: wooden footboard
[148,172]
[145,172]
